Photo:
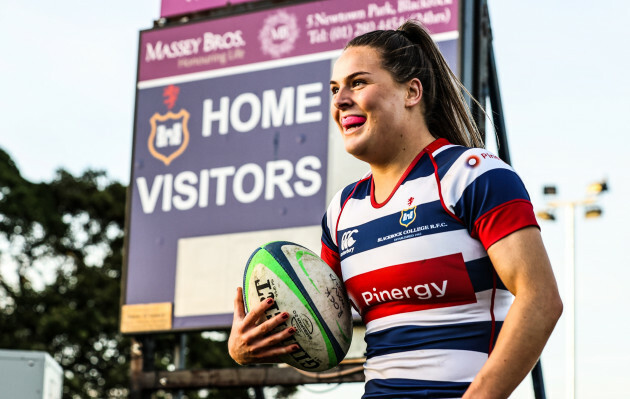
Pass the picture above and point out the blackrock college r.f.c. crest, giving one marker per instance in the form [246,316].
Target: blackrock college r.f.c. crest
[169,132]
[407,216]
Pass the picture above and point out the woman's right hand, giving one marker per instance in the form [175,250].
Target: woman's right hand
[253,342]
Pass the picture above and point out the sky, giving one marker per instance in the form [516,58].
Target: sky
[67,77]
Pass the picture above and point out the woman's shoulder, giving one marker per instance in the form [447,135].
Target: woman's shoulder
[355,188]
[467,158]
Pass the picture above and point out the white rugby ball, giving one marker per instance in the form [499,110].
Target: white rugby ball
[305,287]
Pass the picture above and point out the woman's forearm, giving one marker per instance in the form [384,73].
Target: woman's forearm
[525,331]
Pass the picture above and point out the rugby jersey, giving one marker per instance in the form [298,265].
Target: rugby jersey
[417,270]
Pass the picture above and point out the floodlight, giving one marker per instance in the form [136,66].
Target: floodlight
[545,215]
[597,188]
[593,212]
[550,190]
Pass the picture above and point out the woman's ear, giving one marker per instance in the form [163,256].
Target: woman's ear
[414,92]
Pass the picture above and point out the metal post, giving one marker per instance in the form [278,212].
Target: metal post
[135,369]
[260,394]
[570,270]
[537,379]
[498,119]
[180,358]
[148,364]
[466,66]
[473,53]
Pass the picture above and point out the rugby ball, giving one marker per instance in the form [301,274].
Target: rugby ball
[305,287]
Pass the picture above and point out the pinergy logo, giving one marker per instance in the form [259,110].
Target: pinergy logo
[347,242]
[472,161]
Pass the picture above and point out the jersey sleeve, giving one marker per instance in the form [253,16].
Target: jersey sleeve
[487,195]
[330,250]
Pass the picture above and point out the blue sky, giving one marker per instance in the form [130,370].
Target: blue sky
[68,70]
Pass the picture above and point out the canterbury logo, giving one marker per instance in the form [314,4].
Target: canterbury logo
[347,241]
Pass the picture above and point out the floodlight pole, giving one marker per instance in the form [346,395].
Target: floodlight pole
[180,358]
[571,295]
[569,304]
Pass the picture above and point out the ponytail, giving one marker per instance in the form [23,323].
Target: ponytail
[409,52]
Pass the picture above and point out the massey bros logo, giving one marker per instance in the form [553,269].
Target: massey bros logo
[208,43]
[407,216]
[279,33]
[169,132]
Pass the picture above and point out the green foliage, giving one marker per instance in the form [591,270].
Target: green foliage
[64,241]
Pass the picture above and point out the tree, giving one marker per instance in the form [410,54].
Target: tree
[63,241]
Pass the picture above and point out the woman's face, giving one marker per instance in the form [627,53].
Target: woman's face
[368,105]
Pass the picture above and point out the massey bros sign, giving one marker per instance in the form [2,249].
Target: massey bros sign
[306,29]
[234,147]
[180,7]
